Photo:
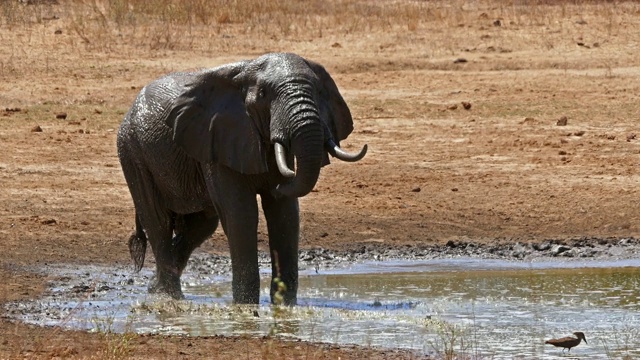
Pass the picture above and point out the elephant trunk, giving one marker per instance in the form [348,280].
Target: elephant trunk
[307,148]
[298,125]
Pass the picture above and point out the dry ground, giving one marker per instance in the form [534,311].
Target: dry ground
[502,170]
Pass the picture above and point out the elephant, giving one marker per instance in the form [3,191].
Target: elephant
[198,148]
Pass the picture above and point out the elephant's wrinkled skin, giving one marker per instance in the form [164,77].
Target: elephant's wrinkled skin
[196,147]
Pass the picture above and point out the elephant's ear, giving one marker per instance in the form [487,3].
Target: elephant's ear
[210,122]
[333,108]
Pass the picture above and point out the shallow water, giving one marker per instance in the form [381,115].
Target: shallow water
[492,308]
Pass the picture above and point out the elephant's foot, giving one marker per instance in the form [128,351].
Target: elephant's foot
[280,295]
[169,285]
[245,293]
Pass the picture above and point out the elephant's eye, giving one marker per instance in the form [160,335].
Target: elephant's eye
[261,94]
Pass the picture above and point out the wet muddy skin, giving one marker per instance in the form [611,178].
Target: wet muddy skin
[387,297]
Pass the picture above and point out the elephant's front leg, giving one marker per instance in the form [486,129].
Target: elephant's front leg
[283,223]
[240,224]
[238,211]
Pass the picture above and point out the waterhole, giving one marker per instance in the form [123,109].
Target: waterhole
[486,308]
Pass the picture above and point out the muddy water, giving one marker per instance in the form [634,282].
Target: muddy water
[490,308]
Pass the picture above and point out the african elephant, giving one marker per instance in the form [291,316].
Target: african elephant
[197,147]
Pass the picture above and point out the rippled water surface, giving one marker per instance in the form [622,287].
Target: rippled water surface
[495,309]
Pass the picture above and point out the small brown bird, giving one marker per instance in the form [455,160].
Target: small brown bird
[568,342]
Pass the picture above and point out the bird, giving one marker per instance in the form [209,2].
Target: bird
[568,342]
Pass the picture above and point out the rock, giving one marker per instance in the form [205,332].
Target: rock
[459,61]
[588,253]
[451,244]
[466,105]
[520,251]
[562,121]
[416,189]
[452,107]
[542,247]
[579,133]
[559,249]
[631,137]
[616,251]
[61,116]
[624,242]
[36,128]
[497,23]
[81,289]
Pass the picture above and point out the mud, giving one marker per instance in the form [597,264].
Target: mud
[86,282]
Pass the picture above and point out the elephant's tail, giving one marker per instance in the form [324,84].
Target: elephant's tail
[138,246]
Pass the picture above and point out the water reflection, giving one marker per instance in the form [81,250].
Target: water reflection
[489,308]
[503,309]
[509,311]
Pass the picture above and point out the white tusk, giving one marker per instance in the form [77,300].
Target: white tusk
[281,160]
[337,152]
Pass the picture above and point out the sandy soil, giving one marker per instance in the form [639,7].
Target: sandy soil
[531,137]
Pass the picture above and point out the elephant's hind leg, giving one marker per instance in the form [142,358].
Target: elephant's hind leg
[167,277]
[191,230]
[154,223]
[159,229]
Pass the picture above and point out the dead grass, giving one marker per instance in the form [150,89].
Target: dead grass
[449,25]
[408,34]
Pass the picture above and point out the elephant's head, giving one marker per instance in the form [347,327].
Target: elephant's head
[276,105]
